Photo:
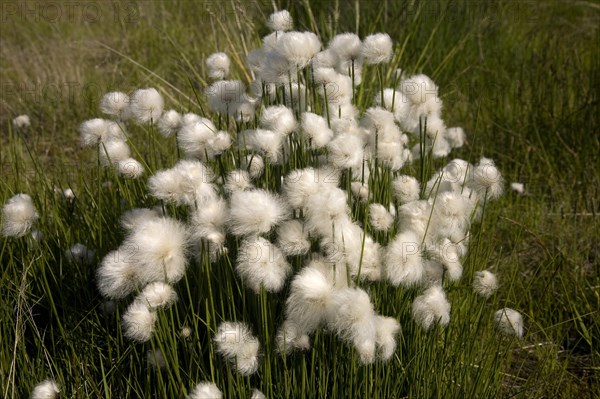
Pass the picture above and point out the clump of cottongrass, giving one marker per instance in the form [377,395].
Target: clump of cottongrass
[130,168]
[157,295]
[21,122]
[379,217]
[509,322]
[316,130]
[160,247]
[298,47]
[279,119]
[113,152]
[255,212]
[169,123]
[80,254]
[118,274]
[487,180]
[116,104]
[195,136]
[485,283]
[292,238]
[346,151]
[351,316]
[386,329]
[301,184]
[95,131]
[208,221]
[187,183]
[261,264]
[254,164]
[224,96]
[267,143]
[139,322]
[238,180]
[403,260]
[238,346]
[518,188]
[205,390]
[146,105]
[18,216]
[406,189]
[431,307]
[47,389]
[218,66]
[280,21]
[377,48]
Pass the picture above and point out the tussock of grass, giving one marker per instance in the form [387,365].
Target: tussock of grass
[521,78]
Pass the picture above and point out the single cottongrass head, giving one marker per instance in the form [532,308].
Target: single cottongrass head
[431,307]
[235,342]
[509,322]
[205,390]
[485,283]
[19,214]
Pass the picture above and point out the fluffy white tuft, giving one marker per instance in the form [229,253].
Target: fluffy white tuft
[260,263]
[238,346]
[159,247]
[431,307]
[280,21]
[21,122]
[130,168]
[238,180]
[406,189]
[509,322]
[379,217]
[386,329]
[18,216]
[139,322]
[169,123]
[279,119]
[292,239]
[485,283]
[254,164]
[113,152]
[351,316]
[115,103]
[255,212]
[187,183]
[218,66]
[157,295]
[298,47]
[146,105]
[377,48]
[46,389]
[205,390]
[315,129]
[518,188]
[118,274]
[403,260]
[346,151]
[487,180]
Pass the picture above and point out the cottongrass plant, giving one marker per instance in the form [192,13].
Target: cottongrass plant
[295,205]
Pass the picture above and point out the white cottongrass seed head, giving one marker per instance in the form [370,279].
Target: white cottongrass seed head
[205,390]
[18,216]
[157,295]
[509,322]
[146,105]
[485,283]
[21,122]
[218,66]
[238,346]
[280,21]
[380,218]
[139,322]
[255,212]
[431,307]
[169,123]
[46,389]
[115,103]
[261,263]
[377,48]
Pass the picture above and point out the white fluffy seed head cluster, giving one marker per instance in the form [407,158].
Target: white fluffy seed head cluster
[21,122]
[19,214]
[229,182]
[205,390]
[509,322]
[47,389]
[237,345]
[485,283]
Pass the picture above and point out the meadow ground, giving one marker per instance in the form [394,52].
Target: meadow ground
[522,78]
